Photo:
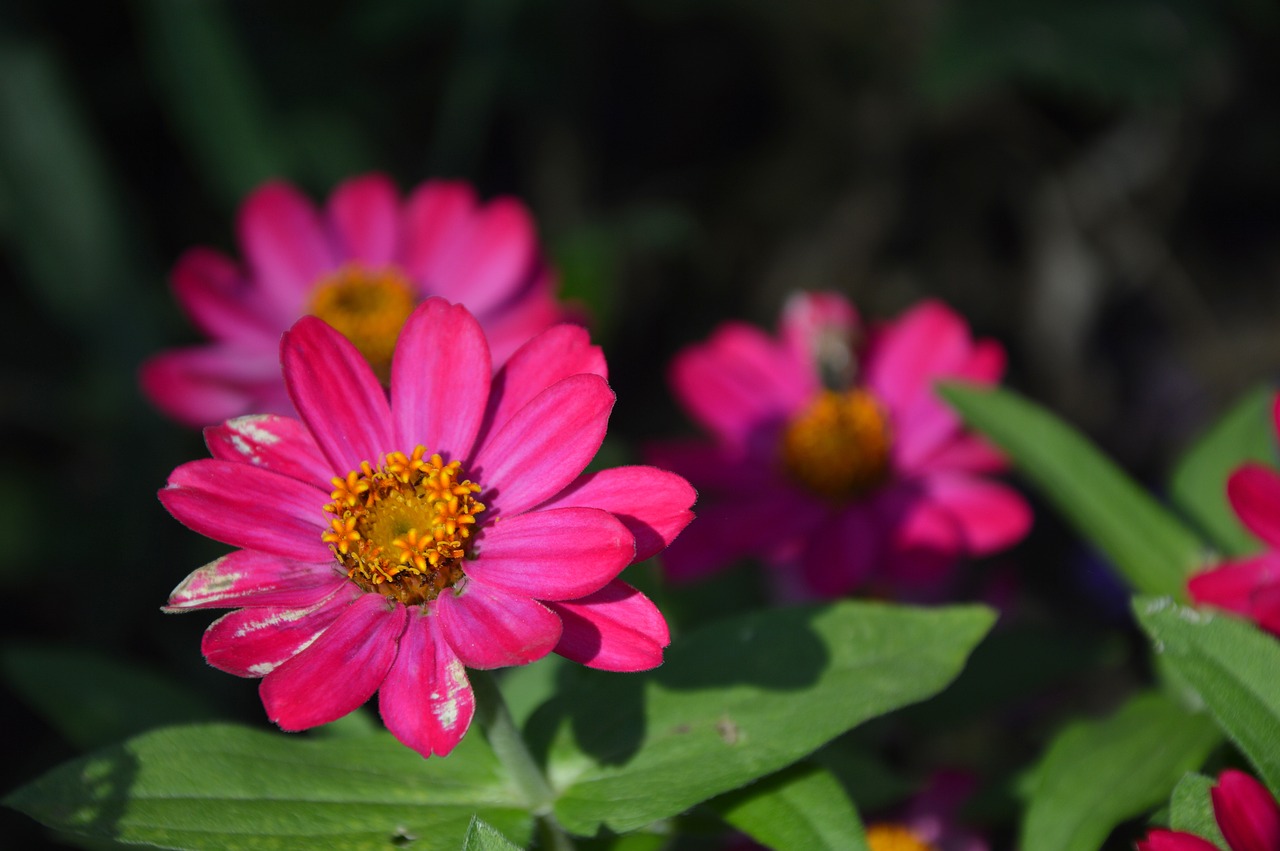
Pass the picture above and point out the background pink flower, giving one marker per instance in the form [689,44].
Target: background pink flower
[833,454]
[386,544]
[1247,817]
[1250,586]
[361,264]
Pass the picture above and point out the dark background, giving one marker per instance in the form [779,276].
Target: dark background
[1096,183]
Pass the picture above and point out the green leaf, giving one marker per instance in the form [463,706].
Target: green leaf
[1147,543]
[1233,666]
[1199,482]
[482,836]
[225,787]
[93,699]
[739,700]
[1191,809]
[800,808]
[1097,774]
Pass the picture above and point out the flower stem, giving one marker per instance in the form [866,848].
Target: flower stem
[500,730]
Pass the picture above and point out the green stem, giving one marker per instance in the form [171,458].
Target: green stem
[500,730]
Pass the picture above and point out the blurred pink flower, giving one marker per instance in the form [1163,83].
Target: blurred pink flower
[838,458]
[1250,586]
[361,264]
[388,544]
[1247,816]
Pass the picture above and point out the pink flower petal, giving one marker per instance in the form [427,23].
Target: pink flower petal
[731,529]
[489,259]
[1247,815]
[221,301]
[251,578]
[1233,585]
[967,453]
[991,516]
[338,671]
[337,395]
[510,325]
[425,700]
[653,504]
[436,216]
[207,384]
[928,341]
[844,552]
[284,242]
[560,554]
[615,629]
[925,542]
[1254,491]
[714,470]
[280,444]
[254,642]
[491,628]
[556,353]
[440,380]
[739,382]
[249,507]
[545,445]
[365,216]
[1170,840]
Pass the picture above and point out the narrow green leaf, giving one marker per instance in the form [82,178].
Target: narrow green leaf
[482,836]
[739,700]
[1199,482]
[225,787]
[800,808]
[1097,774]
[1191,809]
[1147,543]
[93,699]
[1233,666]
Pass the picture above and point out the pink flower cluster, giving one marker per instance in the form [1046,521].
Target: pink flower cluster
[832,457]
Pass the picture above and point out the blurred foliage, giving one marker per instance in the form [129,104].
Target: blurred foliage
[1094,183]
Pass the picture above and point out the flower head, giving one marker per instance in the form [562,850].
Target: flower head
[1248,818]
[386,545]
[831,453]
[1250,586]
[361,264]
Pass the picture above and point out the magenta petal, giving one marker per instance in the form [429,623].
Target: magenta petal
[280,444]
[992,516]
[1233,585]
[967,453]
[208,384]
[490,257]
[924,544]
[440,380]
[220,300]
[545,445]
[337,395]
[250,578]
[340,670]
[1254,491]
[365,215]
[425,700]
[1247,814]
[249,507]
[284,242]
[560,554]
[927,342]
[844,552]
[510,326]
[436,216]
[556,353]
[254,642]
[1170,840]
[653,504]
[728,530]
[491,628]
[615,629]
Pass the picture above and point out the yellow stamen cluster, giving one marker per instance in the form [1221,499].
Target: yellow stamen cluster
[369,307]
[403,529]
[895,837]
[839,446]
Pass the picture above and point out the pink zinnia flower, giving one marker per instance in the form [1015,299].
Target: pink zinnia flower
[838,458]
[361,265]
[1247,817]
[1250,586]
[388,544]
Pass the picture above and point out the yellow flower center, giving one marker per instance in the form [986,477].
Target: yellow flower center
[403,529]
[895,837]
[839,446]
[369,307]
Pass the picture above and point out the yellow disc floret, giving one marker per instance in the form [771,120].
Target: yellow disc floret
[369,307]
[895,837]
[404,528]
[839,446]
